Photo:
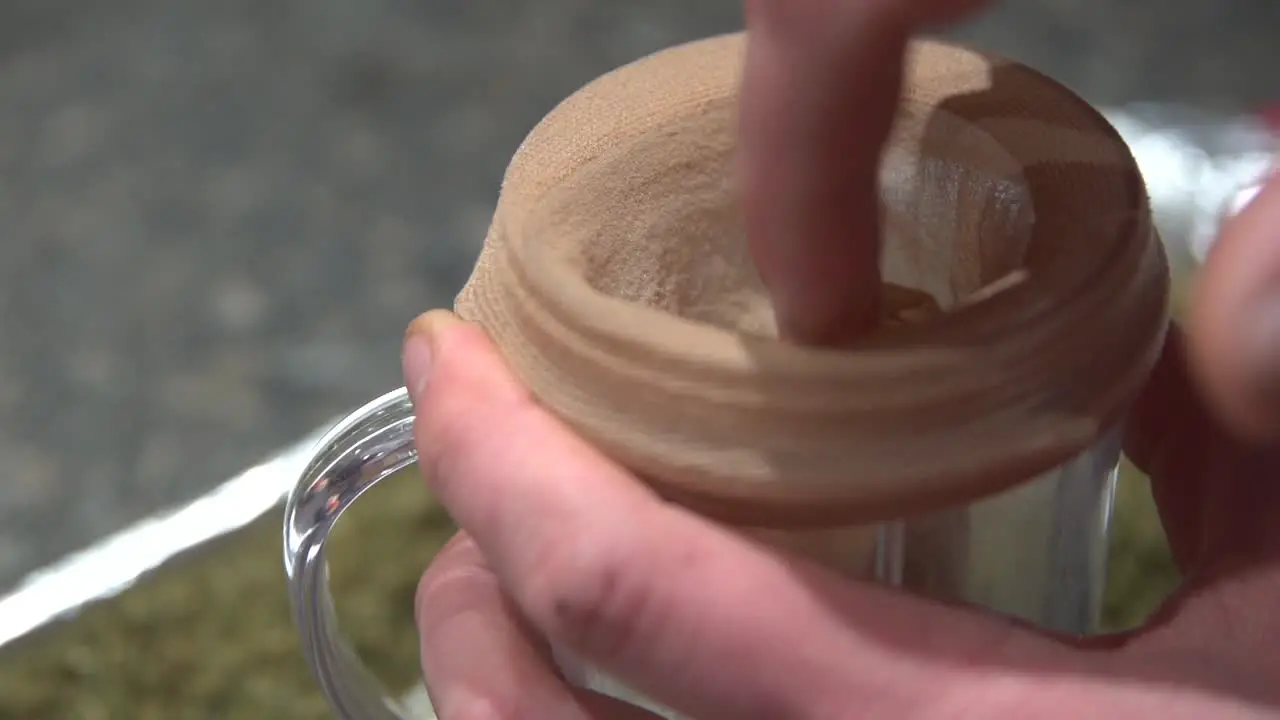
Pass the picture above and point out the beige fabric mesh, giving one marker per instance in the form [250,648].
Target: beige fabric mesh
[1025,293]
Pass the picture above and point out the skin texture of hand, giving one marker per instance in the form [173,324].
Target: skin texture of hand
[560,544]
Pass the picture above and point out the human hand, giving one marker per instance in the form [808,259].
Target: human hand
[559,544]
[562,545]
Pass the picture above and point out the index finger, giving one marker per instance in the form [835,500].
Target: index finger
[820,91]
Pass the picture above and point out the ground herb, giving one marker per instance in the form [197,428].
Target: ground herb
[210,638]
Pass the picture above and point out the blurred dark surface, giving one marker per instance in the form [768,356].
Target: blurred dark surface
[219,215]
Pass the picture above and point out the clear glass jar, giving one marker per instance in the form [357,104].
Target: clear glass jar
[986,436]
[1037,551]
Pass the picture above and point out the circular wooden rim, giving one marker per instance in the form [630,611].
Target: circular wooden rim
[623,374]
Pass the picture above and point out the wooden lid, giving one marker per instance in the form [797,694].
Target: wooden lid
[615,280]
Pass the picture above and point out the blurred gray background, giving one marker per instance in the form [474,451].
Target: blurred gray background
[219,215]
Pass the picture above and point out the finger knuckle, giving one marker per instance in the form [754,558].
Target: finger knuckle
[597,598]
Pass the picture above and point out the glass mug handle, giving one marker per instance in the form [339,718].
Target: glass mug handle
[365,447]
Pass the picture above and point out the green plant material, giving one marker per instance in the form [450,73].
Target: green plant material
[211,637]
[1141,572]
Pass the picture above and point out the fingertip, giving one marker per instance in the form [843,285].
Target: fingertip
[458,558]
[1234,321]
[417,354]
[444,354]
[431,322]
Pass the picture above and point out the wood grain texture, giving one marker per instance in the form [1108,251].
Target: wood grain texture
[615,281]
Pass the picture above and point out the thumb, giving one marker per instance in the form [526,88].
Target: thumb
[700,618]
[1234,325]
